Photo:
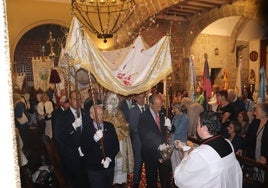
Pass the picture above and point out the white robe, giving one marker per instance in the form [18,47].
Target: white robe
[203,167]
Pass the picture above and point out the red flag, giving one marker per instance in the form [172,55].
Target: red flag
[206,80]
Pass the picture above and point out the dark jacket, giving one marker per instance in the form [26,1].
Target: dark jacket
[92,150]
[151,137]
[67,138]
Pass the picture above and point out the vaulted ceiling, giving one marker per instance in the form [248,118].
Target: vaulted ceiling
[59,12]
[187,8]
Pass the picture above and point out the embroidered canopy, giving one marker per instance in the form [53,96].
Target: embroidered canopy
[125,71]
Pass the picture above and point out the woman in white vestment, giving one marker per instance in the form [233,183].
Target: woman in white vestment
[212,164]
[124,162]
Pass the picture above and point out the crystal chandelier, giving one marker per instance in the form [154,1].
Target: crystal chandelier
[103,17]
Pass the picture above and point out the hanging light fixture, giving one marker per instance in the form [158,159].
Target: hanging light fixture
[103,17]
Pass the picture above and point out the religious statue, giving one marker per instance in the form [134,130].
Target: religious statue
[124,162]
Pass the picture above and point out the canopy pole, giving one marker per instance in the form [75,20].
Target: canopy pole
[96,114]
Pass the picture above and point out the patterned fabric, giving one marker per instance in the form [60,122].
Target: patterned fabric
[124,161]
[125,71]
[18,80]
[41,73]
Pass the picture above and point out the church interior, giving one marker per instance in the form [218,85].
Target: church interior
[230,35]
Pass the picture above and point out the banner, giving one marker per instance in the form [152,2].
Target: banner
[41,72]
[191,78]
[262,90]
[206,80]
[238,84]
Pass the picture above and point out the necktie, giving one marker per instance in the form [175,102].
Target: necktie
[129,104]
[44,108]
[45,111]
[75,114]
[142,109]
[78,129]
[157,120]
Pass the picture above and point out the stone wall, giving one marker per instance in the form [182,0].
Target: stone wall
[224,61]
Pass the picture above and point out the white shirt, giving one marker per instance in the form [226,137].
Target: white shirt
[140,107]
[203,167]
[40,109]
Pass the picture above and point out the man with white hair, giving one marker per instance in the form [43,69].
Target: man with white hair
[237,105]
[99,144]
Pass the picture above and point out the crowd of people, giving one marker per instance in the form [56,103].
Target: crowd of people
[102,142]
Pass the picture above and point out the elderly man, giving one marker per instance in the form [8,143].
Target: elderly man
[213,163]
[93,98]
[237,105]
[100,146]
[193,111]
[152,132]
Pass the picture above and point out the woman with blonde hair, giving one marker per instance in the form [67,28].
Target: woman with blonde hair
[181,123]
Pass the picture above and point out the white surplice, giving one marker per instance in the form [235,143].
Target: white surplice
[204,167]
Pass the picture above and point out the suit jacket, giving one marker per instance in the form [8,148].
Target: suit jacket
[88,104]
[134,115]
[236,107]
[55,115]
[125,109]
[264,141]
[92,150]
[151,137]
[67,138]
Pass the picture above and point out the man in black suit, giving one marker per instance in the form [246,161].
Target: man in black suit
[134,115]
[64,105]
[100,146]
[237,105]
[68,132]
[152,133]
[93,97]
[126,105]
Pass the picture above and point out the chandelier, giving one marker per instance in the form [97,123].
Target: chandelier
[103,17]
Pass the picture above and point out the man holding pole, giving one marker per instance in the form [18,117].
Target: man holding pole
[100,146]
[68,131]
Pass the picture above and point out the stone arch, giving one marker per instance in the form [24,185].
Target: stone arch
[28,28]
[248,9]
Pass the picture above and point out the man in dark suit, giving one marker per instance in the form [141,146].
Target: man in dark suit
[134,115]
[68,132]
[126,105]
[100,146]
[152,133]
[237,105]
[64,105]
[93,97]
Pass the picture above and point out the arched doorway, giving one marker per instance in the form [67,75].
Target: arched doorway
[35,43]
